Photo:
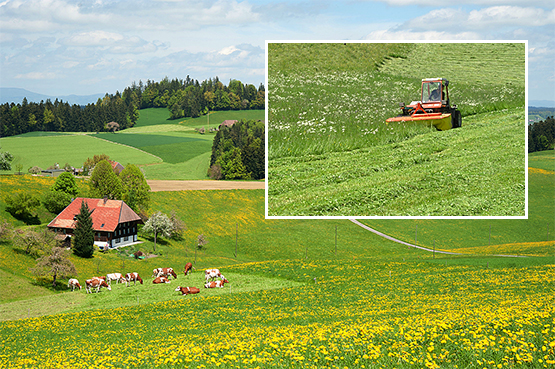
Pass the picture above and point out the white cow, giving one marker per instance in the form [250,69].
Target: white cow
[115,277]
[216,284]
[211,274]
[73,283]
[96,283]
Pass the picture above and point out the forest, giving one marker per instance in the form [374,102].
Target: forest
[238,151]
[183,98]
[541,135]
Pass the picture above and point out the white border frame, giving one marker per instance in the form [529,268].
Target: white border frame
[525,216]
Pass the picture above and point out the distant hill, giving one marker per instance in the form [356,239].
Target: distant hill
[539,114]
[16,95]
[542,103]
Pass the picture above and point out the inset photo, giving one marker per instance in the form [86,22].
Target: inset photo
[395,130]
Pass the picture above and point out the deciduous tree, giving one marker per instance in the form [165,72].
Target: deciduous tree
[22,205]
[158,224]
[56,263]
[136,190]
[104,182]
[34,243]
[5,160]
[65,182]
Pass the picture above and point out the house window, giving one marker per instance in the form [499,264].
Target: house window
[126,238]
[118,240]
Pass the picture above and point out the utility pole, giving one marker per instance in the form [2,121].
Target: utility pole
[335,240]
[416,235]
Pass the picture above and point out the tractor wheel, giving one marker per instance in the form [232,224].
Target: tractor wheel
[456,119]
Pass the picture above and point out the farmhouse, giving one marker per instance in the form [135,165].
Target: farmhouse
[227,123]
[114,222]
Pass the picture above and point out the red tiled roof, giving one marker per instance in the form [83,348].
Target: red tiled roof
[106,215]
[228,123]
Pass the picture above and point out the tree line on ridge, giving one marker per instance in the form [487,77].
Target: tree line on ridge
[183,98]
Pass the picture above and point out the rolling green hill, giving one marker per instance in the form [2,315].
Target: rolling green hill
[314,291]
[165,149]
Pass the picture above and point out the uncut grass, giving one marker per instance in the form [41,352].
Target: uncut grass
[193,168]
[408,314]
[172,148]
[311,101]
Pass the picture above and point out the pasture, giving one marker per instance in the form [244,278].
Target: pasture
[164,149]
[301,297]
[340,158]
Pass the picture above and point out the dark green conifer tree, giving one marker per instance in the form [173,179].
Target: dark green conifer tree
[83,238]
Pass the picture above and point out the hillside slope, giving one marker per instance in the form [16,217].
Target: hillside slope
[331,153]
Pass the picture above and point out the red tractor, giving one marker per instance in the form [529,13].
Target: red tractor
[433,107]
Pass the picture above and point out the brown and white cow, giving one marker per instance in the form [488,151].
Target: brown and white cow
[188,268]
[166,272]
[216,284]
[96,283]
[161,279]
[133,277]
[211,274]
[73,283]
[115,277]
[187,290]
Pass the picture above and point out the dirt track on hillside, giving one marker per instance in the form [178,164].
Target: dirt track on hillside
[160,185]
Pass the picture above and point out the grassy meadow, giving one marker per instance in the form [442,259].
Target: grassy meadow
[340,158]
[303,293]
[163,148]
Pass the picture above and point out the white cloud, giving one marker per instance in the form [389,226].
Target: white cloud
[36,75]
[227,50]
[93,38]
[408,35]
[540,3]
[494,20]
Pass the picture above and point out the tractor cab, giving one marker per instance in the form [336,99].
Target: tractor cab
[435,93]
[433,107]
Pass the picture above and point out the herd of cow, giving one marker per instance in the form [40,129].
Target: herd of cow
[213,278]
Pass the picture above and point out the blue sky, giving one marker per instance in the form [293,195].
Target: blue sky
[62,47]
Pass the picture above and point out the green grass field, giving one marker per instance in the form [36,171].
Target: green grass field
[300,296]
[340,158]
[72,149]
[164,149]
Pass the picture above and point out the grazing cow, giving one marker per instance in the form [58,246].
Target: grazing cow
[73,283]
[216,284]
[188,268]
[96,283]
[161,280]
[211,274]
[115,277]
[166,272]
[187,290]
[133,277]
[155,272]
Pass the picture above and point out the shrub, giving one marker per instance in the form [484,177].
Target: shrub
[35,170]
[56,201]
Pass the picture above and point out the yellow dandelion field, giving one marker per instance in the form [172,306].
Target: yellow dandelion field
[364,314]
